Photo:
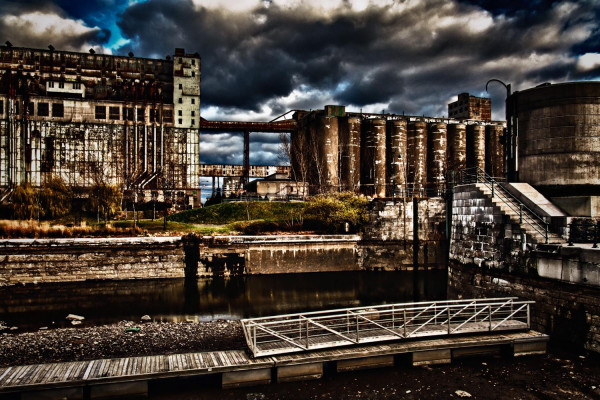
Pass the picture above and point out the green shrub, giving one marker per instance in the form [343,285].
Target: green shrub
[332,212]
[24,202]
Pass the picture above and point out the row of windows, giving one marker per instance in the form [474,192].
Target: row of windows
[128,114]
[181,98]
[61,85]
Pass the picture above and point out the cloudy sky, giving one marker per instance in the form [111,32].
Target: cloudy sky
[262,58]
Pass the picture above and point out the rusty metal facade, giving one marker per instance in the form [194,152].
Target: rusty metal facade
[328,142]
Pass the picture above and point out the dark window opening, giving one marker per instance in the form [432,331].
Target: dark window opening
[1,107]
[100,112]
[193,73]
[180,100]
[43,110]
[61,85]
[180,121]
[114,113]
[193,121]
[193,101]
[140,115]
[168,116]
[58,110]
[193,113]
[180,113]
[30,108]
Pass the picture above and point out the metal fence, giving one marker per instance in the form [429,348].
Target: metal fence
[350,326]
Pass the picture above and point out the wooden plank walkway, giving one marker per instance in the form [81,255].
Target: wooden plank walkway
[132,369]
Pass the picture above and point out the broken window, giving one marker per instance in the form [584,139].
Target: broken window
[43,110]
[128,113]
[168,116]
[154,115]
[100,112]
[114,113]
[140,115]
[1,107]
[30,109]
[58,110]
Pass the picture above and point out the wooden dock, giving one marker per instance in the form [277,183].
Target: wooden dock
[129,376]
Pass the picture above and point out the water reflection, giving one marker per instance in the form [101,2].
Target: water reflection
[30,307]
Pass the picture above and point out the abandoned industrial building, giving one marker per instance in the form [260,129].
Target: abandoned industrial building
[135,123]
[88,118]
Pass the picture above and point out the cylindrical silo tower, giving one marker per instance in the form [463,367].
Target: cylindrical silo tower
[372,157]
[327,139]
[349,151]
[457,147]
[395,144]
[417,156]
[436,151]
[559,143]
[494,151]
[476,146]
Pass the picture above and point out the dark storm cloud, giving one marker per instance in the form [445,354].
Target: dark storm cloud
[39,23]
[384,54]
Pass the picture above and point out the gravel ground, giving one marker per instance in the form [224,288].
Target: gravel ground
[109,341]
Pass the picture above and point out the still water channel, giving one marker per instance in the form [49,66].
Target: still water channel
[33,306]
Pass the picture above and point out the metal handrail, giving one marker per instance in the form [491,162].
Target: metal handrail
[509,200]
[289,333]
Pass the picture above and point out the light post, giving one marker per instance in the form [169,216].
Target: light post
[510,148]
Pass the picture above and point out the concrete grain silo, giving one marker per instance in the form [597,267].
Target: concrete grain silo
[417,156]
[327,148]
[349,152]
[494,150]
[396,157]
[457,147]
[559,143]
[476,146]
[372,157]
[437,157]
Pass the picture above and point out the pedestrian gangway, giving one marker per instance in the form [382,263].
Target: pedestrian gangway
[280,334]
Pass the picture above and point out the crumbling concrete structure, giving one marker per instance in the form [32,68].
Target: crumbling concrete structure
[92,118]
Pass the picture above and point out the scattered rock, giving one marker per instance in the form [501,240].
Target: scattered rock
[146,318]
[43,328]
[462,393]
[134,329]
[73,317]
[3,328]
[14,328]
[75,322]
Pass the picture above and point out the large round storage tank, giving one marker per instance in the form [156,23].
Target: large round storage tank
[395,144]
[372,157]
[327,139]
[417,156]
[349,141]
[457,147]
[436,151]
[476,146]
[559,137]
[494,150]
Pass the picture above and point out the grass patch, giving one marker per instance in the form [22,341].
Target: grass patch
[227,213]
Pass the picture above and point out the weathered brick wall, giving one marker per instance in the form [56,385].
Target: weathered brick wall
[568,312]
[481,233]
[61,260]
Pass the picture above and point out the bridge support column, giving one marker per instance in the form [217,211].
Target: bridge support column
[246,173]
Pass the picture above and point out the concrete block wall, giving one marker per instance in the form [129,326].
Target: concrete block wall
[481,233]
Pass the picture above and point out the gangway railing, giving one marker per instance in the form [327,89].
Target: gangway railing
[290,333]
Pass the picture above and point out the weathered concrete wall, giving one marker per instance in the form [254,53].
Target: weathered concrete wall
[566,311]
[389,242]
[226,255]
[60,260]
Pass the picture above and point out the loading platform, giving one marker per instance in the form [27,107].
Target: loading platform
[129,376]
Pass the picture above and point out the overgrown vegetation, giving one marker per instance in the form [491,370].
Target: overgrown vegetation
[227,213]
[106,199]
[32,229]
[336,213]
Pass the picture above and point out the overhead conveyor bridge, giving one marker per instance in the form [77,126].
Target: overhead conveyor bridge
[291,333]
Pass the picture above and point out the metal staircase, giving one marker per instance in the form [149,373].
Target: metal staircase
[535,226]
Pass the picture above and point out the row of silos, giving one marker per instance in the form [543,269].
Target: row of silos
[383,158]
